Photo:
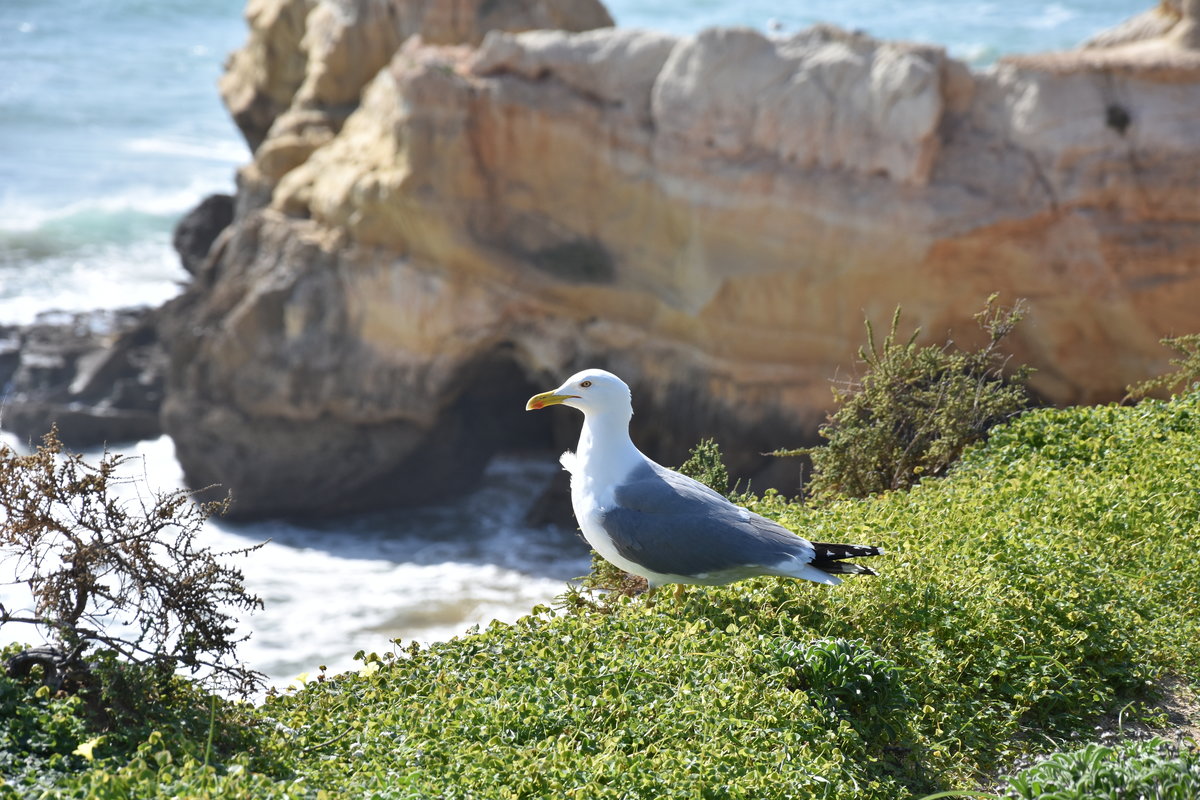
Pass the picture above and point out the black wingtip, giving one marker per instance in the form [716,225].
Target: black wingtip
[835,552]
[831,558]
[843,568]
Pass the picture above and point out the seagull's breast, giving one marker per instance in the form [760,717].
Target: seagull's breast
[591,495]
[589,498]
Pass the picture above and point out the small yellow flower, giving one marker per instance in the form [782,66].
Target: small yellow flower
[85,748]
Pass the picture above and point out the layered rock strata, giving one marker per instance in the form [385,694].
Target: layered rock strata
[709,216]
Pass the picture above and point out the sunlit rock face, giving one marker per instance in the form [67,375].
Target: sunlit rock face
[474,214]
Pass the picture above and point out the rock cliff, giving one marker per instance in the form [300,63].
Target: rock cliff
[445,214]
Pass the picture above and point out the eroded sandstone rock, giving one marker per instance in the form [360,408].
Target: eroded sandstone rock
[1170,21]
[306,62]
[709,216]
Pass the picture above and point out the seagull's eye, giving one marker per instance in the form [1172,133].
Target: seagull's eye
[585,384]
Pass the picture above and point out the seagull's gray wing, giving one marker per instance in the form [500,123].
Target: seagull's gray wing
[674,525]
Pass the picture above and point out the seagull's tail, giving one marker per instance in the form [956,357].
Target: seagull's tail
[831,558]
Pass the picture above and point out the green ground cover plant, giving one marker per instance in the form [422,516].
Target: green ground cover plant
[1153,769]
[1046,583]
[116,741]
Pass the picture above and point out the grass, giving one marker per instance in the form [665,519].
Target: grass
[1049,580]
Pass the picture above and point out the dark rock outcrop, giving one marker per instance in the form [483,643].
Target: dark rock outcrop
[199,228]
[97,375]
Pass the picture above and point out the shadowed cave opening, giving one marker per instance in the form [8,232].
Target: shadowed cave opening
[490,406]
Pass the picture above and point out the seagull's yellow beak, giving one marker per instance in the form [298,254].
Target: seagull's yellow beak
[539,401]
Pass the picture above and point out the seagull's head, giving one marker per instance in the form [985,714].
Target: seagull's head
[591,391]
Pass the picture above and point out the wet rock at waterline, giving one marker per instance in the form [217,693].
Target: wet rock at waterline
[97,375]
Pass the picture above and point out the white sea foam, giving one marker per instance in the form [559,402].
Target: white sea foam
[146,273]
[230,152]
[358,584]
[1051,16]
[104,251]
[22,215]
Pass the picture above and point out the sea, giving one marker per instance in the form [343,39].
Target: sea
[111,127]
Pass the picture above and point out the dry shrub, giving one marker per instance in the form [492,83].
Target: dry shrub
[117,575]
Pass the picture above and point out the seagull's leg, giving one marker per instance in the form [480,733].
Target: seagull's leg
[678,592]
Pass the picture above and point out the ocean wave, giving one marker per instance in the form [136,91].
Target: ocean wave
[81,229]
[29,230]
[228,151]
[1050,17]
[144,273]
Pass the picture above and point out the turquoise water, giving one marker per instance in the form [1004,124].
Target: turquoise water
[111,127]
[976,31]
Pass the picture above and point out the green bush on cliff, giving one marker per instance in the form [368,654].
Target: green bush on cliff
[1047,581]
[914,410]
[705,465]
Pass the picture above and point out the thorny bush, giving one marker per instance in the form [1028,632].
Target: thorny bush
[111,573]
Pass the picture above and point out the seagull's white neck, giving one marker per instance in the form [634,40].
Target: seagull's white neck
[606,454]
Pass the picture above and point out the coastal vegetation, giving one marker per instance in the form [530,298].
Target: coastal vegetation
[914,409]
[1039,599]
[1186,373]
[109,575]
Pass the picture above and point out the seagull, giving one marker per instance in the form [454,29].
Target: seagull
[666,527]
